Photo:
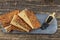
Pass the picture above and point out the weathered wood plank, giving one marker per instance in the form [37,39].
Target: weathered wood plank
[36,1]
[32,37]
[37,6]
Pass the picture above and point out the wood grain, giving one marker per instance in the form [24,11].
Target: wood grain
[37,6]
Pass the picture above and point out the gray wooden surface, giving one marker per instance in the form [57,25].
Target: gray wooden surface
[37,6]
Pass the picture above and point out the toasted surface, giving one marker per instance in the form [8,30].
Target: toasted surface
[18,22]
[7,17]
[16,28]
[29,17]
[11,28]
